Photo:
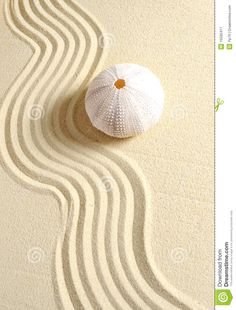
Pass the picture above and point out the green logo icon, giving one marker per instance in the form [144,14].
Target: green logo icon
[223,297]
[229,46]
[218,103]
[221,46]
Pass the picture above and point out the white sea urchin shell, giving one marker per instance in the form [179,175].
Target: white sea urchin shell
[124,100]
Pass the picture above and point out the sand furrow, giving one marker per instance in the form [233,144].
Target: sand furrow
[10,162]
[48,162]
[40,173]
[89,216]
[103,263]
[90,251]
[52,153]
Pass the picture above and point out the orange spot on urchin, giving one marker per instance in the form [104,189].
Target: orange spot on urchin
[119,84]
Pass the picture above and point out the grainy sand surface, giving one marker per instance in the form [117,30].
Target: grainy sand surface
[88,221]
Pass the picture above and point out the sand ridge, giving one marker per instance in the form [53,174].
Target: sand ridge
[100,260]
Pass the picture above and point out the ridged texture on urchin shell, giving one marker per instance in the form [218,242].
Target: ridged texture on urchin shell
[127,107]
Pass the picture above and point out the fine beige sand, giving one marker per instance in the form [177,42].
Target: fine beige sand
[89,221]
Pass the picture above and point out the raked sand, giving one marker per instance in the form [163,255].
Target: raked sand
[88,221]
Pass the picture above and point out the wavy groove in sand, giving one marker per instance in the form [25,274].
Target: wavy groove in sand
[102,258]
